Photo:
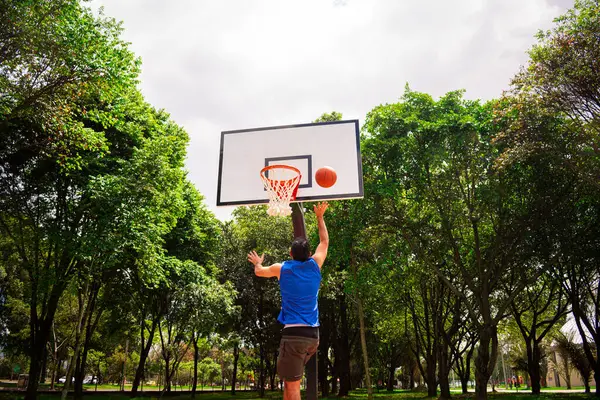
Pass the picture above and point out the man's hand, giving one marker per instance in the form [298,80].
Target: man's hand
[255,259]
[321,252]
[320,209]
[272,271]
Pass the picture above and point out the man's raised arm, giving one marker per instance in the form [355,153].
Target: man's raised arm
[271,271]
[321,252]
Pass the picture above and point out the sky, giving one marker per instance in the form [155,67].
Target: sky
[218,65]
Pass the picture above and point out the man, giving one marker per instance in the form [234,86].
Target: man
[299,282]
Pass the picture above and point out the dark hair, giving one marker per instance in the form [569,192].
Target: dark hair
[300,249]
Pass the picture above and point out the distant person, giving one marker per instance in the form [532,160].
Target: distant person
[299,282]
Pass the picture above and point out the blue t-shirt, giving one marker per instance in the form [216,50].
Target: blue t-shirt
[299,283]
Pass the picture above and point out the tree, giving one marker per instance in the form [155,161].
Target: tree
[343,273]
[536,311]
[562,365]
[433,162]
[61,66]
[120,231]
[562,76]
[208,305]
[462,354]
[258,299]
[209,370]
[575,355]
[554,114]
[194,238]
[350,252]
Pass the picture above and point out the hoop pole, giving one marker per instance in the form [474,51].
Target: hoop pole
[311,365]
[298,220]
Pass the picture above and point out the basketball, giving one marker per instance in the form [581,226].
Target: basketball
[326,177]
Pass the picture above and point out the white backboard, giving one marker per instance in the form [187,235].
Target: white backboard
[307,147]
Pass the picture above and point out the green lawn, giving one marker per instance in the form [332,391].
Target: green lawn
[108,386]
[357,395]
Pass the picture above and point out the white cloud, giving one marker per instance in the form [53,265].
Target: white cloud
[232,64]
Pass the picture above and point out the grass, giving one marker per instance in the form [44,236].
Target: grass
[356,395]
[110,386]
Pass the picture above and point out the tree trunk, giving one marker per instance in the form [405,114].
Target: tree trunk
[431,377]
[261,383]
[463,368]
[363,335]
[322,369]
[78,376]
[167,387]
[70,372]
[36,361]
[444,371]
[486,360]
[124,380]
[44,365]
[261,345]
[464,384]
[82,360]
[597,378]
[84,309]
[363,343]
[343,348]
[567,376]
[145,350]
[586,384]
[236,356]
[533,366]
[323,352]
[391,369]
[222,372]
[196,356]
[334,372]
[391,379]
[81,366]
[39,335]
[272,374]
[54,372]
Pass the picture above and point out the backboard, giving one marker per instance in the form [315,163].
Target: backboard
[307,147]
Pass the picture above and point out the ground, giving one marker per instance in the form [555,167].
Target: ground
[356,395]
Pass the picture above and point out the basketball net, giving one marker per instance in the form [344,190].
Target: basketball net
[281,183]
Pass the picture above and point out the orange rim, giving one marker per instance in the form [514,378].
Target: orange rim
[281,182]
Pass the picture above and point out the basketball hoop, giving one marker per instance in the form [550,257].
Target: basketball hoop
[281,183]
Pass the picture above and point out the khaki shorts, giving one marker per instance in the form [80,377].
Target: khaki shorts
[294,353]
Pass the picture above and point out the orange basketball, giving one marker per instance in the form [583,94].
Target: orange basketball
[326,177]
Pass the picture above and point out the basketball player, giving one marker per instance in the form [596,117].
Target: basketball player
[299,282]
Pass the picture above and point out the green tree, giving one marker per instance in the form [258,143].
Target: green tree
[209,370]
[536,311]
[194,238]
[437,187]
[562,76]
[209,305]
[258,299]
[340,290]
[119,227]
[172,327]
[553,114]
[59,62]
[574,354]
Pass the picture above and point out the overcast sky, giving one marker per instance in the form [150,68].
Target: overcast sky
[223,64]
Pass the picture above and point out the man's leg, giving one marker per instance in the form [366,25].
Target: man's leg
[291,390]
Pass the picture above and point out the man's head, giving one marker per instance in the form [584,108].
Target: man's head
[300,249]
